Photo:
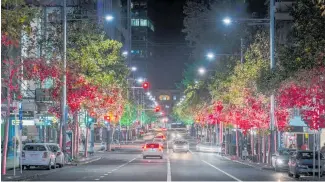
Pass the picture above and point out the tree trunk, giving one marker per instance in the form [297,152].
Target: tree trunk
[75,132]
[86,143]
[264,148]
[237,142]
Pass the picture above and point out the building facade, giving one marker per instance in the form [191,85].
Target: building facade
[142,36]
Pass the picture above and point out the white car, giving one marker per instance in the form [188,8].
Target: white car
[55,148]
[152,150]
[180,146]
[158,140]
[38,154]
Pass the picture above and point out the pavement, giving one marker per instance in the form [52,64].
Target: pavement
[127,164]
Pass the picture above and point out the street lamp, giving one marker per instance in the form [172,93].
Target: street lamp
[227,21]
[210,56]
[125,53]
[133,68]
[140,80]
[201,71]
[109,18]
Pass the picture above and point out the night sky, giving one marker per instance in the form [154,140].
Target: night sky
[169,61]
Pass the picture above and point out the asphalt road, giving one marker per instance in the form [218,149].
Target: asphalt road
[191,166]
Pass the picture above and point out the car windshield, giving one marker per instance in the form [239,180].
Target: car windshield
[308,155]
[34,148]
[222,86]
[285,152]
[180,142]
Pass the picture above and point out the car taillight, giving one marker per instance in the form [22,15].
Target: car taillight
[144,147]
[160,149]
[45,155]
[59,153]
[23,154]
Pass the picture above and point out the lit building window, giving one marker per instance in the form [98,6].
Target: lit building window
[135,22]
[143,22]
[164,97]
[174,97]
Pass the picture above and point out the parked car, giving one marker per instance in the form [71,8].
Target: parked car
[180,146]
[152,150]
[301,163]
[38,154]
[280,159]
[55,148]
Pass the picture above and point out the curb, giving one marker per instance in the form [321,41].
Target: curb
[49,172]
[34,175]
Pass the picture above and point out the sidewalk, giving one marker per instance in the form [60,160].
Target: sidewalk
[36,172]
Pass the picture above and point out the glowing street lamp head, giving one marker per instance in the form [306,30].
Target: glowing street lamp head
[133,68]
[227,21]
[210,56]
[140,80]
[109,18]
[125,53]
[202,70]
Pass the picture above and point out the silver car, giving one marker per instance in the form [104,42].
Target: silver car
[301,163]
[180,146]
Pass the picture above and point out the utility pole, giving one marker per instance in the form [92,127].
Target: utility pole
[272,65]
[64,99]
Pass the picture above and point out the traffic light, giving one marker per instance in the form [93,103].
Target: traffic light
[107,118]
[157,109]
[145,85]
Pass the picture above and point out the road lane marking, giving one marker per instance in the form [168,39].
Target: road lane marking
[96,179]
[105,174]
[224,172]
[169,176]
[190,151]
[101,176]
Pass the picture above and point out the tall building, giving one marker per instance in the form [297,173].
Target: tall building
[142,35]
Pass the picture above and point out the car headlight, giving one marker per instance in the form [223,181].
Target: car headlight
[302,166]
[279,161]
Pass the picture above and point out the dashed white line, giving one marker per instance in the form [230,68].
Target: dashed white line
[105,174]
[169,176]
[96,179]
[101,176]
[224,172]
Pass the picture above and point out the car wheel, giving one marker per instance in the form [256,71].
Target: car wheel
[144,157]
[289,174]
[161,157]
[297,175]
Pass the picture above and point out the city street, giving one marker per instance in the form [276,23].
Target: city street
[128,165]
